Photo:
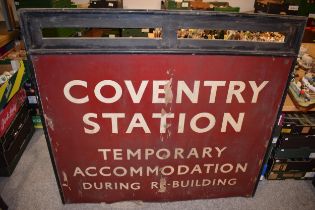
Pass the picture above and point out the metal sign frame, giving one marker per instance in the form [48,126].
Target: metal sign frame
[33,20]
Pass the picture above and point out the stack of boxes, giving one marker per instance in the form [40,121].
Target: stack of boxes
[293,154]
[16,127]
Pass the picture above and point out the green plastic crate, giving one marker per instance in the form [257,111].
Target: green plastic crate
[44,4]
[227,9]
[171,4]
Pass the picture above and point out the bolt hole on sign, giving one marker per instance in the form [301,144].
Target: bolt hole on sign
[155,126]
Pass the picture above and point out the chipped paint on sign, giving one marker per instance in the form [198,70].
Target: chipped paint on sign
[162,188]
[49,122]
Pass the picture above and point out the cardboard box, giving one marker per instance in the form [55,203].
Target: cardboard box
[292,165]
[14,141]
[304,152]
[296,141]
[290,175]
[8,114]
[12,86]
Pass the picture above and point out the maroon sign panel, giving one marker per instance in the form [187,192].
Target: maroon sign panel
[159,127]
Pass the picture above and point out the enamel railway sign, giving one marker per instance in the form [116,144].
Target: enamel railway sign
[158,119]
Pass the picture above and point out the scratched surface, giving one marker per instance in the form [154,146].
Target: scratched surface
[72,147]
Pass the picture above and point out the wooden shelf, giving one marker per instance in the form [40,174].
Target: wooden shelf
[289,106]
[6,36]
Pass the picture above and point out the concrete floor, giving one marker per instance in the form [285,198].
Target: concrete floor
[33,187]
